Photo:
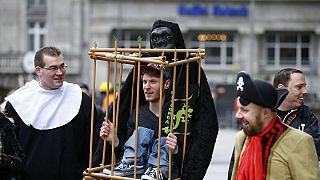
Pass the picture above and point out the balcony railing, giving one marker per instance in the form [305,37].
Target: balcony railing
[11,63]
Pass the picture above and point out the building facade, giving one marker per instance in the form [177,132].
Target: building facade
[258,36]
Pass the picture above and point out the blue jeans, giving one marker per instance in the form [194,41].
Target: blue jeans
[148,150]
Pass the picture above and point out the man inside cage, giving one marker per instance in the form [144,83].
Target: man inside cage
[147,141]
[200,117]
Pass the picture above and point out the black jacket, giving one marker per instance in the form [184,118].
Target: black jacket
[12,148]
[304,120]
[58,153]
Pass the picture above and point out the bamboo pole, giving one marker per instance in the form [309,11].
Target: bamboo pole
[117,96]
[160,118]
[130,56]
[92,110]
[107,113]
[132,89]
[199,77]
[114,111]
[172,112]
[186,112]
[184,61]
[112,60]
[161,58]
[136,127]
[186,116]
[199,54]
[137,116]
[105,176]
[99,168]
[90,175]
[131,61]
[132,50]
[111,57]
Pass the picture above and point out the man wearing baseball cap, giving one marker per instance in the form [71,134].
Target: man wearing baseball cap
[201,122]
[148,119]
[266,148]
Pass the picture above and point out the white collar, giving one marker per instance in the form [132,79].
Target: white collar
[46,109]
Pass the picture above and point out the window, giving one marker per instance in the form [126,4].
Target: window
[288,48]
[36,35]
[128,38]
[37,4]
[220,46]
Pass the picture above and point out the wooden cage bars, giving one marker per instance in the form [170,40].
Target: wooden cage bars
[133,56]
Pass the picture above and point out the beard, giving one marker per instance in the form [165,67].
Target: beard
[250,132]
[253,129]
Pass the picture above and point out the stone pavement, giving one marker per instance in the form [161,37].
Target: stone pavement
[221,155]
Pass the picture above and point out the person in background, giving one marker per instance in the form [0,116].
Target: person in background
[4,102]
[102,99]
[53,121]
[12,158]
[85,89]
[99,117]
[292,110]
[266,148]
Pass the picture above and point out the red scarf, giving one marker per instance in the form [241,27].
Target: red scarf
[253,161]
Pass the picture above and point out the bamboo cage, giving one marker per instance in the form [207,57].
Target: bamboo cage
[133,56]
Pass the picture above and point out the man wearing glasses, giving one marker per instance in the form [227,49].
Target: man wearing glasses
[52,118]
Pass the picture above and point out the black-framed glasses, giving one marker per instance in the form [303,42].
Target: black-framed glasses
[63,67]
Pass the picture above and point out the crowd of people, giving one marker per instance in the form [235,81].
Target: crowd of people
[46,124]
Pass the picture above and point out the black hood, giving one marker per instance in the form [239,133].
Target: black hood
[178,38]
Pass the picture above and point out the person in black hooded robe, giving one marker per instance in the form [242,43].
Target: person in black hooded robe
[12,157]
[202,127]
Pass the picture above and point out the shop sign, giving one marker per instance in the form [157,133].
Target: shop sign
[215,10]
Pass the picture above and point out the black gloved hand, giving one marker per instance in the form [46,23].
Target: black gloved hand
[5,161]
